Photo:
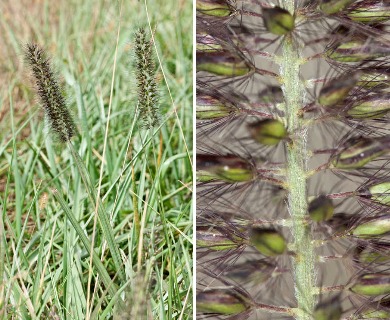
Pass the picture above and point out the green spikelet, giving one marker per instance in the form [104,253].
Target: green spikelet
[146,82]
[49,92]
[221,301]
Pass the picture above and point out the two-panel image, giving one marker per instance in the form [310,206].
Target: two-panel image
[206,159]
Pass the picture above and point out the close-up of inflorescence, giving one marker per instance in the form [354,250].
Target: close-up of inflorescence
[293,151]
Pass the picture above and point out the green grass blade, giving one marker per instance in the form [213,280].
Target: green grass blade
[103,216]
[87,244]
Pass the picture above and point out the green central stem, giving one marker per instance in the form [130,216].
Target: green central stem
[296,166]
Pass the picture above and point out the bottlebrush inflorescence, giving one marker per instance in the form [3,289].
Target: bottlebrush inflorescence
[293,195]
[146,82]
[50,93]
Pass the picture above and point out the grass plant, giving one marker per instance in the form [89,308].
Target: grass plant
[96,214]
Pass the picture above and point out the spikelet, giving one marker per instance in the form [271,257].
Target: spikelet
[148,104]
[50,93]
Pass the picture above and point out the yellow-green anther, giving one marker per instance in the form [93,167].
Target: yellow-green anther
[215,8]
[372,228]
[222,63]
[356,51]
[269,242]
[208,108]
[370,13]
[206,42]
[374,284]
[337,90]
[321,209]
[278,21]
[328,310]
[214,239]
[357,152]
[228,168]
[380,193]
[334,6]
[371,107]
[221,301]
[268,132]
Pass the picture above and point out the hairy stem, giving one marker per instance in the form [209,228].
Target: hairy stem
[297,157]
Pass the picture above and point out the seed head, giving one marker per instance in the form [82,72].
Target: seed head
[146,82]
[50,93]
